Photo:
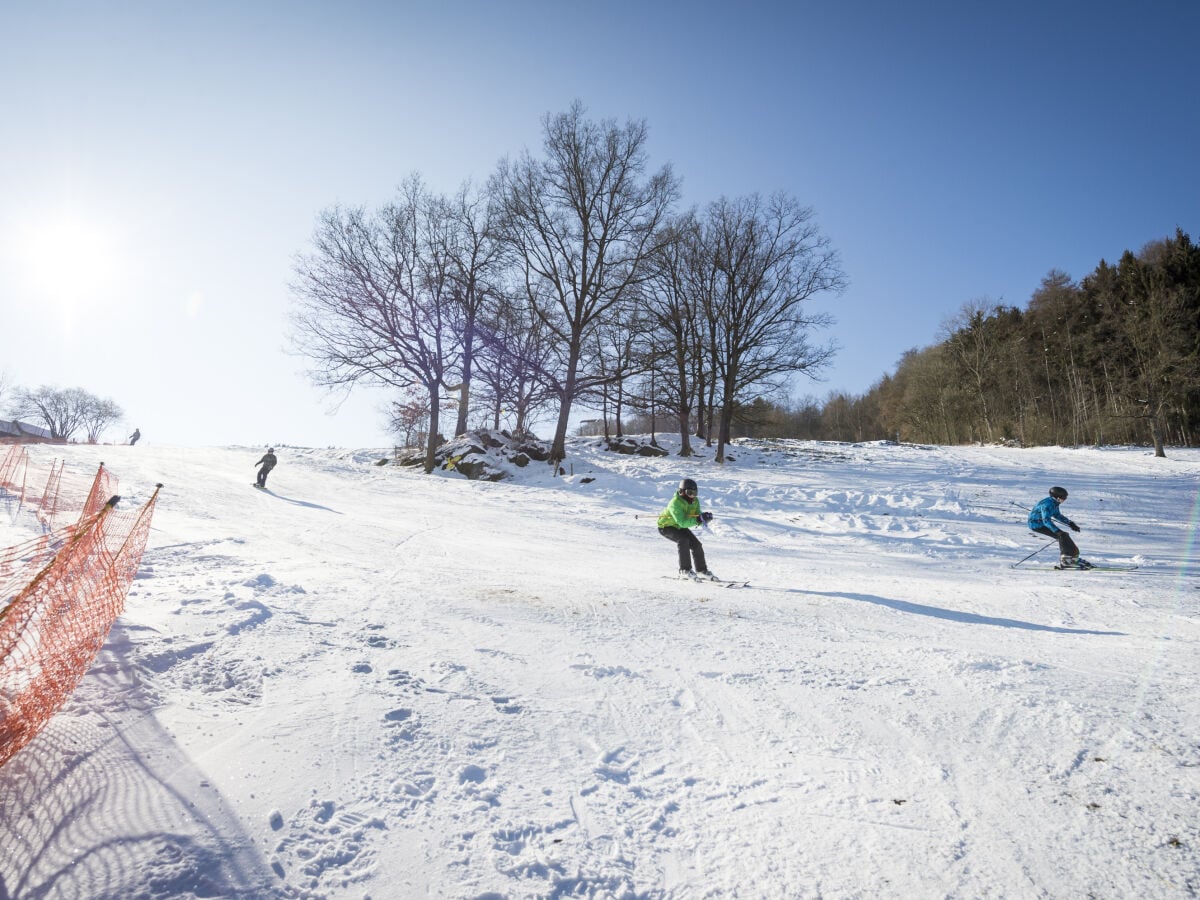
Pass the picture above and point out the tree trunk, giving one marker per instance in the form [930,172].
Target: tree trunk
[431,443]
[464,392]
[1156,432]
[724,428]
[464,396]
[685,444]
[558,448]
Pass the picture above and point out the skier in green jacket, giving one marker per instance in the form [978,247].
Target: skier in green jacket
[676,523]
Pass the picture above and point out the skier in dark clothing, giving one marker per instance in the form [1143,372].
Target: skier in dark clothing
[1042,519]
[675,523]
[268,463]
[133,438]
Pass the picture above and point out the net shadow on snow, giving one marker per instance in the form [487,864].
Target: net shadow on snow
[174,835]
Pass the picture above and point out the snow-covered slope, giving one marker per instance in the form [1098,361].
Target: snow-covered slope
[369,682]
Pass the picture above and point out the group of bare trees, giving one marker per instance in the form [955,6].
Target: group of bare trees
[569,278]
[64,412]
[1112,359]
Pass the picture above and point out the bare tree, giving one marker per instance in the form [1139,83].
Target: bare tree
[476,259]
[99,414]
[770,259]
[405,418]
[374,301]
[582,221]
[62,411]
[620,356]
[514,356]
[672,304]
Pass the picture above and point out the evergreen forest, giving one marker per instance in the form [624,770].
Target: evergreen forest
[1111,359]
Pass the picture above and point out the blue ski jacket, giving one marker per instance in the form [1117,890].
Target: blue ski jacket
[1045,514]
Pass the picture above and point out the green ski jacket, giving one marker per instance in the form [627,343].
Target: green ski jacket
[680,513]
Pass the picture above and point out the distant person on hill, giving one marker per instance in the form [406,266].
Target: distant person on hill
[1042,519]
[268,463]
[133,438]
[676,523]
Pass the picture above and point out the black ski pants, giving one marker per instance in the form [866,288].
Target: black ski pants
[262,475]
[1066,546]
[689,547]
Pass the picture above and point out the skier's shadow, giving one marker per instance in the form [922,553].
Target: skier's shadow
[303,503]
[953,615]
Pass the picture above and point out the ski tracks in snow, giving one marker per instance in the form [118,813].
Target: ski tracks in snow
[420,686]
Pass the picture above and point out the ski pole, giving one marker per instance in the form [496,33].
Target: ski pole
[1031,555]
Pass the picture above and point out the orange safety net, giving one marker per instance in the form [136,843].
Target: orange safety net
[52,491]
[52,628]
[19,563]
[13,469]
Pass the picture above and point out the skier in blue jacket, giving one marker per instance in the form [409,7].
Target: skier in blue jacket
[1042,519]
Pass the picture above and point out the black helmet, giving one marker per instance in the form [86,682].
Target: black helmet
[687,486]
[1058,493]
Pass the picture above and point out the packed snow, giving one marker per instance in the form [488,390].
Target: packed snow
[368,682]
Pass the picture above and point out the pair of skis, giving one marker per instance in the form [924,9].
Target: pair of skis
[719,582]
[1090,567]
[1097,567]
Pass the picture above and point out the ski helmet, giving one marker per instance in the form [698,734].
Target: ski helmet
[1058,493]
[687,486]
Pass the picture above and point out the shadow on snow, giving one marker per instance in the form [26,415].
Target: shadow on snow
[966,618]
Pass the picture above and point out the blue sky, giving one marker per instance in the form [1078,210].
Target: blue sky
[162,163]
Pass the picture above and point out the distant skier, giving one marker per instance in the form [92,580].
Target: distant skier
[268,462]
[1042,519]
[133,438]
[675,523]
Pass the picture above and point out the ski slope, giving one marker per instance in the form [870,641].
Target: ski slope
[368,682]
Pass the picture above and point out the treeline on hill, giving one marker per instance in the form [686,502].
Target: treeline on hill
[1114,359]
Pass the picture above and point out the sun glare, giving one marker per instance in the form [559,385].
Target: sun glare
[69,261]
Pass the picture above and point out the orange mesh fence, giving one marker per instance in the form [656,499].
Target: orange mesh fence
[104,485]
[19,563]
[52,628]
[13,469]
[52,491]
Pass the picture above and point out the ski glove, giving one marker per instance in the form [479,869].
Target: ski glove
[1072,526]
[705,517]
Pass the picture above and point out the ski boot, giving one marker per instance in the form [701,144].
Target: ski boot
[1073,562]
